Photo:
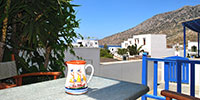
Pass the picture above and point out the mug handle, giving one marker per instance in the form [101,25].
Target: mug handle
[92,73]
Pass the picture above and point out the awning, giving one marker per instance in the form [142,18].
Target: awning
[193,25]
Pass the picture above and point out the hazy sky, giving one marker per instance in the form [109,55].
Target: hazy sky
[101,18]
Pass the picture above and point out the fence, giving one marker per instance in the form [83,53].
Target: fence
[167,62]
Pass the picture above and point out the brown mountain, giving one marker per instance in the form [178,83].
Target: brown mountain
[168,23]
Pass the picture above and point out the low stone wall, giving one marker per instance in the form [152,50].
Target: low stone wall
[130,71]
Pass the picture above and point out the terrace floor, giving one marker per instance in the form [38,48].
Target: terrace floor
[172,86]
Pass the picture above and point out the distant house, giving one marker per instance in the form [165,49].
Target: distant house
[112,48]
[86,43]
[192,48]
[154,44]
[178,50]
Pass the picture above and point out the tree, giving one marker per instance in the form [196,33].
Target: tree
[4,28]
[38,33]
[133,50]
[105,46]
[105,53]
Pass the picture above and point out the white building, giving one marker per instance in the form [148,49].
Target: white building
[178,50]
[87,43]
[113,49]
[154,44]
[192,48]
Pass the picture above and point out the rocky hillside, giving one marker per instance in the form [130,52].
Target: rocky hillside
[168,23]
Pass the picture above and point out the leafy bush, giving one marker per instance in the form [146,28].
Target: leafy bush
[105,53]
[133,50]
[122,51]
[38,33]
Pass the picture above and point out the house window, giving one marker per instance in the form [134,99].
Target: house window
[79,42]
[194,49]
[130,42]
[91,44]
[95,43]
[137,41]
[144,41]
[126,44]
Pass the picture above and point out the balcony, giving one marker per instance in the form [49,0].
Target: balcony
[181,66]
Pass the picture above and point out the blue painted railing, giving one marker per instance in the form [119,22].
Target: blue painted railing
[167,62]
[173,70]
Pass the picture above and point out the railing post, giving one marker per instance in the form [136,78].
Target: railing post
[178,76]
[184,40]
[174,71]
[198,44]
[192,84]
[166,75]
[155,78]
[144,72]
[187,73]
[170,70]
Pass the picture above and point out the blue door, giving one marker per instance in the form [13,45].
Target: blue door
[173,70]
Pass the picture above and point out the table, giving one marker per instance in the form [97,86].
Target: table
[100,88]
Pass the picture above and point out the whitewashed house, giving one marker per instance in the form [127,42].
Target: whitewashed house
[86,43]
[154,44]
[178,50]
[192,48]
[113,49]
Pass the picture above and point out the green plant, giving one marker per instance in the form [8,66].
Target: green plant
[105,46]
[39,32]
[122,51]
[81,45]
[133,50]
[105,53]
[4,22]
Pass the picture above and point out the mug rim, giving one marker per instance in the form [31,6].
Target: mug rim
[77,62]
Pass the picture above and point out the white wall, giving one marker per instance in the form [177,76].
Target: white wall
[90,55]
[124,44]
[190,44]
[154,44]
[147,47]
[130,71]
[180,53]
[113,50]
[87,43]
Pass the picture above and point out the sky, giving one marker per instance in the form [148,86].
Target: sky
[101,18]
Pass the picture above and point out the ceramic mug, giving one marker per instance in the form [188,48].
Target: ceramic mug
[76,82]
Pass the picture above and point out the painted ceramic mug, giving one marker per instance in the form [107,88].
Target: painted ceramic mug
[76,82]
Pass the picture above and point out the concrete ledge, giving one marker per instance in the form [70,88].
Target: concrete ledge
[119,62]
